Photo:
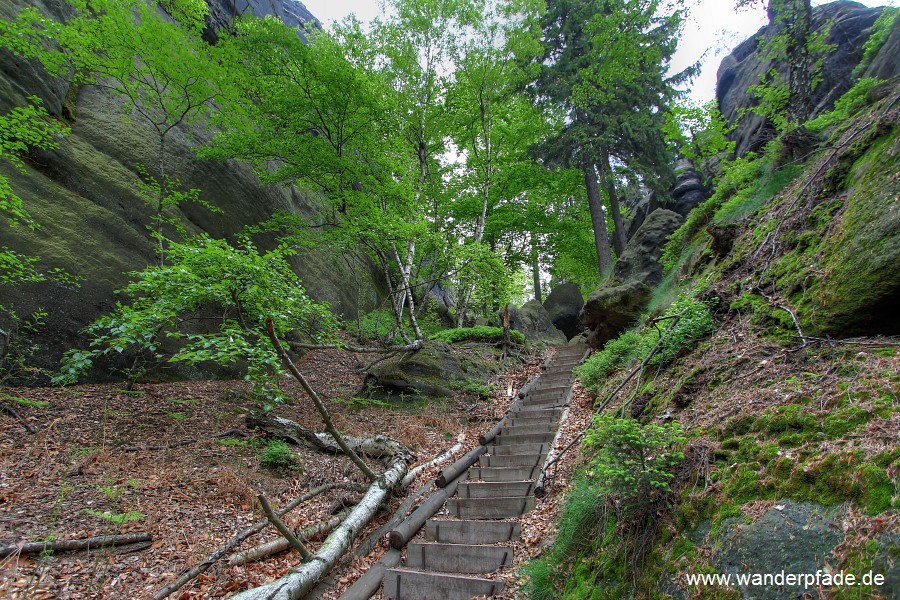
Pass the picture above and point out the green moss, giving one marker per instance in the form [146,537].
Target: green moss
[479,333]
[878,489]
[775,322]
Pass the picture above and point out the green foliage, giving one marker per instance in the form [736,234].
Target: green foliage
[744,185]
[582,518]
[25,401]
[240,285]
[22,129]
[473,387]
[736,175]
[479,333]
[697,130]
[190,13]
[790,40]
[881,30]
[616,354]
[117,518]
[848,104]
[630,460]
[277,455]
[694,322]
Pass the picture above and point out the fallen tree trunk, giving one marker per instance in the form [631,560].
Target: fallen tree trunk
[281,544]
[376,446]
[459,467]
[302,578]
[256,528]
[70,545]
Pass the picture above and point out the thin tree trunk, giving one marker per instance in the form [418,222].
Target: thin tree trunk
[598,218]
[197,569]
[280,544]
[536,270]
[619,239]
[323,412]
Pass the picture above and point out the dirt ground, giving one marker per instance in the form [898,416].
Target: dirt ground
[95,467]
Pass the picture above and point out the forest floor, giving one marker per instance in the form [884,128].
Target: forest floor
[89,470]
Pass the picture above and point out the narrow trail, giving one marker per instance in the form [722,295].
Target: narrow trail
[460,551]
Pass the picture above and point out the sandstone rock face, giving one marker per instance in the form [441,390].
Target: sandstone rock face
[689,190]
[885,64]
[534,321]
[743,67]
[564,305]
[94,223]
[617,304]
[641,257]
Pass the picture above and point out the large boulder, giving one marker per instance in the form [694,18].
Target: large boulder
[563,306]
[612,308]
[850,23]
[641,257]
[430,373]
[616,305]
[689,191]
[93,220]
[534,321]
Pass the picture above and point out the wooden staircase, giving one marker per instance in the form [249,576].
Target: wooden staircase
[466,545]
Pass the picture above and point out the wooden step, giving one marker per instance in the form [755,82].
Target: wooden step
[529,421]
[503,473]
[519,449]
[490,489]
[457,558]
[524,438]
[511,460]
[550,414]
[406,584]
[473,532]
[501,507]
[544,404]
[535,428]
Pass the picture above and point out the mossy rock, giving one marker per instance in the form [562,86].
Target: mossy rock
[429,373]
[845,283]
[94,223]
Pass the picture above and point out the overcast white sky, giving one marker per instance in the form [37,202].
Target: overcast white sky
[714,28]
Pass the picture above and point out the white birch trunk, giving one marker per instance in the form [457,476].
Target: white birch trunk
[302,578]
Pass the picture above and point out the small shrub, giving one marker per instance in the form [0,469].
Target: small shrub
[616,354]
[277,456]
[479,333]
[117,518]
[695,323]
[472,386]
[633,461]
